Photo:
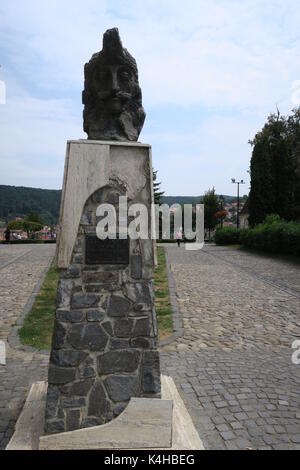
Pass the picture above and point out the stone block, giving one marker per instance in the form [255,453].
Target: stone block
[95,315]
[118,306]
[64,290]
[136,266]
[142,327]
[81,388]
[52,402]
[118,361]
[73,316]
[60,375]
[121,387]
[123,328]
[72,420]
[73,271]
[87,336]
[81,300]
[59,335]
[91,277]
[98,403]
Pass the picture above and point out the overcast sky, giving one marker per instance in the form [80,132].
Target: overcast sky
[210,72]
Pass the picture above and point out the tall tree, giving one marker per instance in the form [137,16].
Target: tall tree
[211,207]
[272,172]
[156,188]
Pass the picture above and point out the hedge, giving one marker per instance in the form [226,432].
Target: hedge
[274,235]
[227,236]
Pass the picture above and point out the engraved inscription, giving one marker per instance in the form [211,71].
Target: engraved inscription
[107,251]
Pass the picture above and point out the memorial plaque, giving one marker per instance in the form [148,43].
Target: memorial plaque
[107,251]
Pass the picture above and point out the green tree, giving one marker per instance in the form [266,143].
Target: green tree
[211,207]
[272,172]
[156,188]
[34,217]
[31,224]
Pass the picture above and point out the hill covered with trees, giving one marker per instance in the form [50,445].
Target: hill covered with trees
[18,201]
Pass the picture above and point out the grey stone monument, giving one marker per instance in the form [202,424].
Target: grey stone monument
[104,347]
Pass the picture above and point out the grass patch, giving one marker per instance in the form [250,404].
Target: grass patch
[162,296]
[38,325]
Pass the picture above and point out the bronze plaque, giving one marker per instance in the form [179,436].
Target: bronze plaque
[107,251]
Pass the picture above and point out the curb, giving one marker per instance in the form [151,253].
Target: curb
[13,338]
[177,317]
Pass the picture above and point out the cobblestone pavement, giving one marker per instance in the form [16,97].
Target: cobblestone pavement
[232,366]
[21,267]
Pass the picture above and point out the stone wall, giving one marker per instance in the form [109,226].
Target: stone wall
[104,348]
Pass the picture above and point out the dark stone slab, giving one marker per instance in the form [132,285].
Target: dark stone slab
[72,420]
[73,402]
[151,375]
[81,300]
[118,361]
[102,277]
[64,290]
[112,97]
[73,316]
[142,327]
[118,343]
[87,336]
[52,402]
[81,388]
[123,328]
[52,427]
[98,403]
[143,343]
[67,358]
[107,251]
[59,335]
[95,315]
[118,306]
[136,266]
[121,387]
[73,271]
[60,375]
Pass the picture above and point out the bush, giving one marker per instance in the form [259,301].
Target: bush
[227,236]
[274,235]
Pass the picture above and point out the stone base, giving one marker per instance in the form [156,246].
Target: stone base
[145,424]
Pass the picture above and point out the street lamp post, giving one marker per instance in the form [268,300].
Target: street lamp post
[233,180]
[221,198]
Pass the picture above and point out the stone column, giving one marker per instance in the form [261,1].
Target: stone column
[104,347]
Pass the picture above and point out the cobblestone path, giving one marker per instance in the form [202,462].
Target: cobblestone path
[232,366]
[21,267]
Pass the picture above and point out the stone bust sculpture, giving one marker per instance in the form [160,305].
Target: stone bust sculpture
[112,96]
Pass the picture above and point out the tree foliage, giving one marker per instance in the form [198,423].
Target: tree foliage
[31,224]
[156,188]
[211,207]
[275,183]
[18,201]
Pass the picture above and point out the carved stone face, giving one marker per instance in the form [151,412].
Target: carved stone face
[113,85]
[112,96]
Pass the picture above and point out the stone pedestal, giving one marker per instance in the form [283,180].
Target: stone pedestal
[104,348]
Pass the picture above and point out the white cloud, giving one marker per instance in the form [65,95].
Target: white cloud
[230,62]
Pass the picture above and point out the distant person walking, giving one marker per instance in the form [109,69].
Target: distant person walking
[179,237]
[7,235]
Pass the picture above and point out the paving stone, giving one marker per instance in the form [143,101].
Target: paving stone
[237,346]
